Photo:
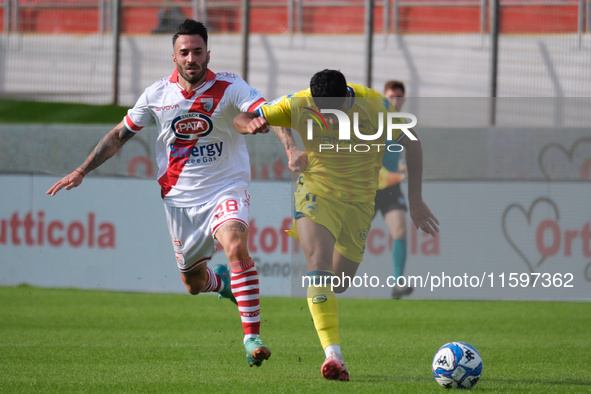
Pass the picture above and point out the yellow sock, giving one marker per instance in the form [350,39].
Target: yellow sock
[324,310]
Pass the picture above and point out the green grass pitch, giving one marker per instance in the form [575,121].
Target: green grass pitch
[62,340]
[18,111]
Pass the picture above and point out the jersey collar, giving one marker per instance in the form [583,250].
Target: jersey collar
[352,96]
[174,78]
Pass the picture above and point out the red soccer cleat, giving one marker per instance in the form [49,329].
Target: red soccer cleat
[333,369]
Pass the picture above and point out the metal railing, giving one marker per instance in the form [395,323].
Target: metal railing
[295,10]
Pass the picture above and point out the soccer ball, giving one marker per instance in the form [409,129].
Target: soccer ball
[457,365]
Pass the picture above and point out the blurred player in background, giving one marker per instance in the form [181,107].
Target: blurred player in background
[334,201]
[389,198]
[203,172]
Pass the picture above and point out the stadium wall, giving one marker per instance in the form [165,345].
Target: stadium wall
[512,201]
[496,238]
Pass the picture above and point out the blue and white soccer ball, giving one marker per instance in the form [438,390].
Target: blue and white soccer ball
[457,365]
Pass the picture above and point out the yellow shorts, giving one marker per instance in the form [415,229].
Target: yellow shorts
[349,223]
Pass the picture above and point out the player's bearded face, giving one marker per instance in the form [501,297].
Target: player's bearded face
[193,71]
[191,58]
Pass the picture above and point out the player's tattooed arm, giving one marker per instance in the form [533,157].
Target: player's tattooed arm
[106,148]
[297,159]
[285,137]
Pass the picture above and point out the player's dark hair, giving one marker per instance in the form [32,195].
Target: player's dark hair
[393,85]
[190,27]
[329,89]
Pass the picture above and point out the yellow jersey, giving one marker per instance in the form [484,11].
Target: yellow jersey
[346,169]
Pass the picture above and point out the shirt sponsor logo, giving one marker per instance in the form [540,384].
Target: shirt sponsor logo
[166,107]
[192,126]
[204,151]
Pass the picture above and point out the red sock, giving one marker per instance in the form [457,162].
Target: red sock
[245,286]
[212,283]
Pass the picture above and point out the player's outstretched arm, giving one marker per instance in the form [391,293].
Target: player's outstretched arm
[297,159]
[250,123]
[105,149]
[420,213]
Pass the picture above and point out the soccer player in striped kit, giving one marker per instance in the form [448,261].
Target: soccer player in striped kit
[203,172]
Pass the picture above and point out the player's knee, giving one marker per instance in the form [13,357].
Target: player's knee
[236,250]
[320,260]
[399,233]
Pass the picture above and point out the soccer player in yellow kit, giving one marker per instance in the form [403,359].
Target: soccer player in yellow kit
[334,200]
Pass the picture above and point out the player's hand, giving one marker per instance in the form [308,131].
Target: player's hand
[72,180]
[257,125]
[297,160]
[423,218]
[394,178]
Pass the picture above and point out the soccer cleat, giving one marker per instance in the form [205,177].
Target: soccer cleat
[333,369]
[399,292]
[222,271]
[256,352]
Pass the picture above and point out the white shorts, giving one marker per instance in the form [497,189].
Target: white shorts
[192,229]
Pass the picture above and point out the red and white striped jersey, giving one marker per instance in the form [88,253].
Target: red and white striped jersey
[198,151]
